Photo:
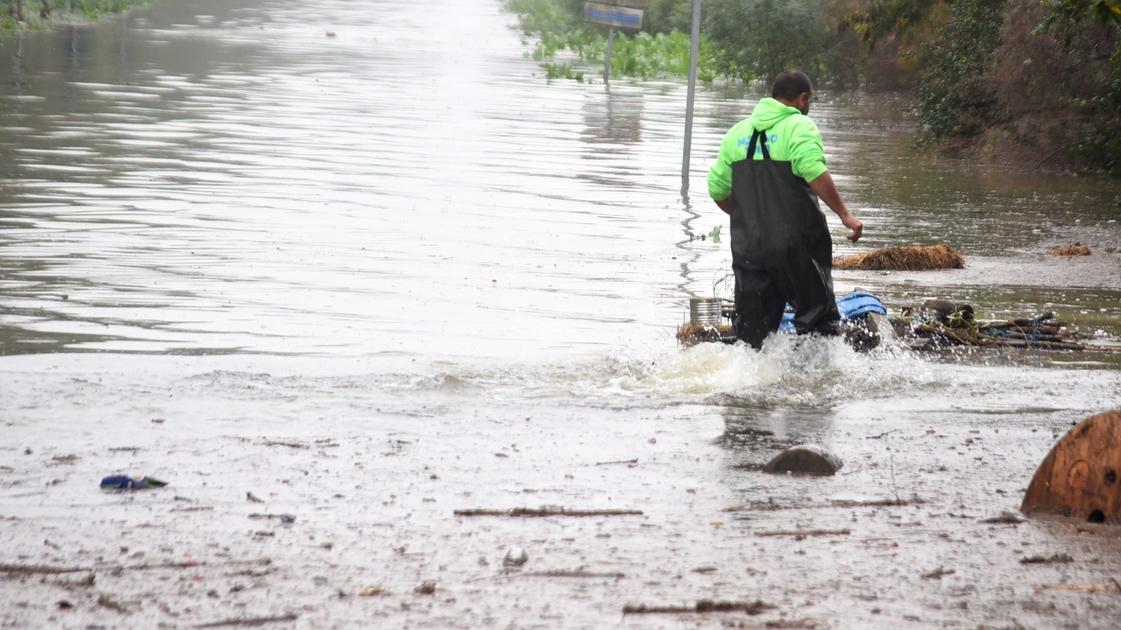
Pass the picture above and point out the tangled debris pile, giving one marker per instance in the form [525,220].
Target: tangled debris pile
[936,325]
[911,258]
[690,334]
[939,324]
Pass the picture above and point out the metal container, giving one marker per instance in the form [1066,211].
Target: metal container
[705,311]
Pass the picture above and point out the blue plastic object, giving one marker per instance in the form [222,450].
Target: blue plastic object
[851,306]
[124,482]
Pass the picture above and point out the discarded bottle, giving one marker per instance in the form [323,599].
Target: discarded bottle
[124,482]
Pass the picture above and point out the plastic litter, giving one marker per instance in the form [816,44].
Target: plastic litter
[124,482]
[851,306]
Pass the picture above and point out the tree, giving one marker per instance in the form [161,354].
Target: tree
[874,20]
[954,99]
[1067,16]
[761,38]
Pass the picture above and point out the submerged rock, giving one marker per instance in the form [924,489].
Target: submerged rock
[806,459]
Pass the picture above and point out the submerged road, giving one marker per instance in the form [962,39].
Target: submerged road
[337,269]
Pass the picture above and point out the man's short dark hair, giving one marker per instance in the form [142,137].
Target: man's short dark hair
[790,85]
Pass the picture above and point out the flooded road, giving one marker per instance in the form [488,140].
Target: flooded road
[363,262]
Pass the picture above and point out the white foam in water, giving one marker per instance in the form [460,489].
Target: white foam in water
[794,370]
[785,365]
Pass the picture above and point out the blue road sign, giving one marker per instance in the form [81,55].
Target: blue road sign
[613,15]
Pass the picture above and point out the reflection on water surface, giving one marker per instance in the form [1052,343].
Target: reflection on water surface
[217,177]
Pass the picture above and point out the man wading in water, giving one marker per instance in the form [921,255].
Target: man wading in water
[781,249]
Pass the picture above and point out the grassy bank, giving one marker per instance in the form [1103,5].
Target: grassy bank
[40,14]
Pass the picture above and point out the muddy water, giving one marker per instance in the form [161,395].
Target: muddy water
[363,261]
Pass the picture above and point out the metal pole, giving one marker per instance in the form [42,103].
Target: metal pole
[694,52]
[607,56]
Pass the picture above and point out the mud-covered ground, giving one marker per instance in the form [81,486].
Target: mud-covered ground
[333,507]
[321,493]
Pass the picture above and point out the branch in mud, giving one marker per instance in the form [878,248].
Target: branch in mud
[702,606]
[840,503]
[251,621]
[544,511]
[1058,558]
[40,569]
[1112,586]
[297,445]
[803,533]
[46,569]
[937,574]
[881,435]
[573,574]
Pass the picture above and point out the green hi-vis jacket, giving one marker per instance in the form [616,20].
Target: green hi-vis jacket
[791,137]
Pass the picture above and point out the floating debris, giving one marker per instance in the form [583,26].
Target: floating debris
[939,324]
[1070,250]
[912,258]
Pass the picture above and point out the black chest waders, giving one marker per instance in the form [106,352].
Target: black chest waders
[781,249]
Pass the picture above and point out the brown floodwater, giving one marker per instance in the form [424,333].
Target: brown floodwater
[364,261]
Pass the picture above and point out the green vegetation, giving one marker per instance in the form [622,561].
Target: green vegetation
[1011,80]
[954,100]
[761,38]
[38,14]
[558,25]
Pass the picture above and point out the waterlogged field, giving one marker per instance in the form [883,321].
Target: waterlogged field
[335,270]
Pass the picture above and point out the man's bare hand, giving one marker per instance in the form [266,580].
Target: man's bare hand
[855,225]
[824,188]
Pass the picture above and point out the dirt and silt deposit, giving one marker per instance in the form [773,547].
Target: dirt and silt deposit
[330,500]
[334,289]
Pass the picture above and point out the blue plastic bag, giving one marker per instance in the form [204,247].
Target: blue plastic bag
[124,482]
[851,306]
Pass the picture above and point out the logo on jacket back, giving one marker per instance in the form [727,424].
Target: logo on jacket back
[772,138]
